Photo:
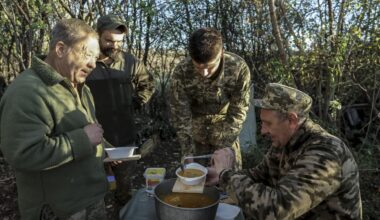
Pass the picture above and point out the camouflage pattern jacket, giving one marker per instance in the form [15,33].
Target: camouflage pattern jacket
[314,177]
[215,107]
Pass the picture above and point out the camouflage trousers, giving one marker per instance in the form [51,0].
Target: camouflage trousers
[204,148]
[95,211]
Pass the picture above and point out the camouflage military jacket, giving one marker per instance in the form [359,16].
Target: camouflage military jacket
[314,177]
[209,110]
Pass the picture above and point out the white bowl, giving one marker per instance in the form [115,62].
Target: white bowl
[194,180]
[227,212]
[120,152]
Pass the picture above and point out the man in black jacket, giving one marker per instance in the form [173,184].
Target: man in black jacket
[119,84]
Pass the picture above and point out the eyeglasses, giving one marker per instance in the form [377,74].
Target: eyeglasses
[89,56]
[86,55]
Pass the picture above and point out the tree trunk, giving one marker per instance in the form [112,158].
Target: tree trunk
[276,32]
[147,34]
[188,17]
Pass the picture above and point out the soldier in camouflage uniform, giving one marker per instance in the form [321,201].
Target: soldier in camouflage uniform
[209,96]
[307,173]
[119,84]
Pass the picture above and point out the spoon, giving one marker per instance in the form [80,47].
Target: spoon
[182,165]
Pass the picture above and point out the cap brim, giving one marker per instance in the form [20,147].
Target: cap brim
[120,26]
[258,103]
[113,26]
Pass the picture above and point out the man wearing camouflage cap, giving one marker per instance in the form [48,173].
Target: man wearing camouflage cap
[307,173]
[209,96]
[120,83]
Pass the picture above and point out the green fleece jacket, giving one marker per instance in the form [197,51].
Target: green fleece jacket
[42,137]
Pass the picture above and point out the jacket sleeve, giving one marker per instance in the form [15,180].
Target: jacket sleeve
[315,175]
[143,83]
[180,117]
[224,133]
[27,134]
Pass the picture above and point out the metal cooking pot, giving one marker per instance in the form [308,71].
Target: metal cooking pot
[166,211]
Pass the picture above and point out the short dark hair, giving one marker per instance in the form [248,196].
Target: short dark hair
[71,31]
[205,44]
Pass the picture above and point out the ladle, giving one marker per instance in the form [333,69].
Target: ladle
[198,157]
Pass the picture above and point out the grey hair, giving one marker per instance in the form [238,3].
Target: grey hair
[71,31]
[284,115]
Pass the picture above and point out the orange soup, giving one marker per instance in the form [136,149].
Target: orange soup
[191,173]
[188,200]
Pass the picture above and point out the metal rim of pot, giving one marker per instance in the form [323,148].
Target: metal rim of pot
[168,211]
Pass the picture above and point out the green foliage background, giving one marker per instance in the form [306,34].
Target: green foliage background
[329,49]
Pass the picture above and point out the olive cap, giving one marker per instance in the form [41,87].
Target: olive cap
[284,99]
[111,22]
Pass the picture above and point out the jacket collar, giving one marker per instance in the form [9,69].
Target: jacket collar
[49,75]
[302,134]
[119,58]
[46,72]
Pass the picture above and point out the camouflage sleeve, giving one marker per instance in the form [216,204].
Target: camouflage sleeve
[260,173]
[143,83]
[180,117]
[315,175]
[224,134]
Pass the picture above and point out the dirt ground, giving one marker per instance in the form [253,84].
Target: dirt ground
[166,154]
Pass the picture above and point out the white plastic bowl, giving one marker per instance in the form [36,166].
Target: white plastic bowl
[227,212]
[120,152]
[194,180]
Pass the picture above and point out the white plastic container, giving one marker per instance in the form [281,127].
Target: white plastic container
[153,177]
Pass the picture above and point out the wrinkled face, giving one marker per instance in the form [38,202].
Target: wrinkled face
[208,69]
[111,42]
[80,59]
[278,129]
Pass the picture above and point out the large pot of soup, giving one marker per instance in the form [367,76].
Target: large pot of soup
[185,206]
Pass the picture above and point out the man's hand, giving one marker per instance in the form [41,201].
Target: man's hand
[223,159]
[116,163]
[220,160]
[212,177]
[95,133]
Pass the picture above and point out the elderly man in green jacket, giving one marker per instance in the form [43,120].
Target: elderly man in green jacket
[307,173]
[48,129]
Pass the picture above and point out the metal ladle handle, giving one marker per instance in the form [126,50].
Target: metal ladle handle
[183,165]
[198,157]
